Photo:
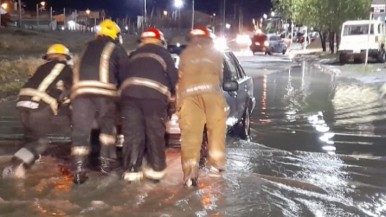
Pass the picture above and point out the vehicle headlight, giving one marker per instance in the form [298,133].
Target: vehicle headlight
[266,43]
[220,43]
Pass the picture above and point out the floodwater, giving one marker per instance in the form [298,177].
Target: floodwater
[316,150]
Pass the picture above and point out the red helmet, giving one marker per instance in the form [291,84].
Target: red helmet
[202,31]
[153,33]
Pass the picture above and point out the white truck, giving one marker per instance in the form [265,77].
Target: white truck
[356,38]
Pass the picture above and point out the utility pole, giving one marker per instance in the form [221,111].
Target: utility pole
[19,5]
[223,17]
[192,14]
[64,18]
[37,15]
[144,14]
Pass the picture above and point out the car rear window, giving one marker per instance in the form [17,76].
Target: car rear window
[275,38]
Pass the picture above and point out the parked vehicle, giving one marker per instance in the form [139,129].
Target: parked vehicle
[259,43]
[276,45]
[238,91]
[356,37]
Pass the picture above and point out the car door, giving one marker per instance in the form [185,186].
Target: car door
[245,85]
[237,100]
[230,74]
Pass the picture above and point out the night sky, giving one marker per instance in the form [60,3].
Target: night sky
[132,8]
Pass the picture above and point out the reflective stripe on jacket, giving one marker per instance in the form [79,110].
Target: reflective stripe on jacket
[47,85]
[151,74]
[98,68]
[200,69]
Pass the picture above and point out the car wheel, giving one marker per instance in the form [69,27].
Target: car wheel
[284,51]
[342,58]
[381,56]
[246,125]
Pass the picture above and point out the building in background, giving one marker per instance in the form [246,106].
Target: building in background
[378,7]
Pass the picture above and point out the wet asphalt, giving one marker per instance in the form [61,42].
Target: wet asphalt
[317,149]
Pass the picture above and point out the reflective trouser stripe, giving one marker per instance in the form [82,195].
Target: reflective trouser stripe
[152,174]
[25,155]
[80,151]
[106,139]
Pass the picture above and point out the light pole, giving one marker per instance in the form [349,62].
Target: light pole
[43,3]
[192,14]
[88,17]
[178,4]
[144,15]
[37,15]
[223,17]
[19,6]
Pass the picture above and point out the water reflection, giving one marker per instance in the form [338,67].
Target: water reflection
[305,109]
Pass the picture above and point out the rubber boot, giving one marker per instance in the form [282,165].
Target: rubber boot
[108,165]
[133,175]
[79,169]
[16,169]
[22,160]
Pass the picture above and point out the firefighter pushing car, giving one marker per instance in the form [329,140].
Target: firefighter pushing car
[147,87]
[200,103]
[94,98]
[38,103]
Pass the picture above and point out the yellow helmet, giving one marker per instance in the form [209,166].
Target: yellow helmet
[109,28]
[58,49]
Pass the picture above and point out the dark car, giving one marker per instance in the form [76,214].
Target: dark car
[238,91]
[259,43]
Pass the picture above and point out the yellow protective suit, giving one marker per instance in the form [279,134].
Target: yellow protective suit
[200,102]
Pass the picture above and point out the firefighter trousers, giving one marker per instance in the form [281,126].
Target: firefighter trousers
[143,127]
[195,112]
[37,123]
[86,110]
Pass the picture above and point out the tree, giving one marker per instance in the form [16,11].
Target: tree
[327,16]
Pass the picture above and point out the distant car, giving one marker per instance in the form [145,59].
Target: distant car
[259,43]
[238,91]
[276,45]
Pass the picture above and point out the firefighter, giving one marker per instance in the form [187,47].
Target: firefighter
[94,98]
[200,103]
[38,102]
[146,89]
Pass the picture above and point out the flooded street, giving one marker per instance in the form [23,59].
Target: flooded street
[317,149]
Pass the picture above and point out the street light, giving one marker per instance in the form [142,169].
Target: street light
[178,4]
[88,17]
[4,7]
[42,3]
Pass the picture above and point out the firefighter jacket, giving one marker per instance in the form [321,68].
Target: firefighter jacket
[96,73]
[200,68]
[151,74]
[48,86]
